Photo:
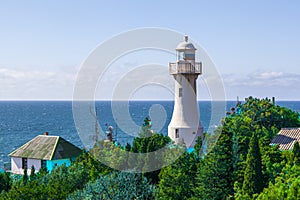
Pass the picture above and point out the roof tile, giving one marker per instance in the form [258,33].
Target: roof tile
[286,138]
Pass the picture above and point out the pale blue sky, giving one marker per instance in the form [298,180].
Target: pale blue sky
[254,44]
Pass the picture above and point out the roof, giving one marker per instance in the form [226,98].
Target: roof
[185,45]
[286,138]
[45,147]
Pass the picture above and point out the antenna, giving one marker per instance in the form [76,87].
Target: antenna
[116,123]
[96,123]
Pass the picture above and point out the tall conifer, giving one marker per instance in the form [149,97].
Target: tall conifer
[214,174]
[296,153]
[253,178]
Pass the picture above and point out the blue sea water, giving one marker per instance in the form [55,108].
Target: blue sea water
[21,121]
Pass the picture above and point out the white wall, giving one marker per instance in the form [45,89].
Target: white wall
[185,116]
[16,165]
[34,162]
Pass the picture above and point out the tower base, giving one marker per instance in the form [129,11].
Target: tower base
[186,136]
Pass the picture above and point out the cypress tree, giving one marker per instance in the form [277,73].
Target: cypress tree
[296,153]
[178,179]
[25,176]
[214,174]
[32,173]
[253,178]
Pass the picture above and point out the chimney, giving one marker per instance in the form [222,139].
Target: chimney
[46,133]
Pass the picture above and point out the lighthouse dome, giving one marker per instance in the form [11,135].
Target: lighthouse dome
[185,45]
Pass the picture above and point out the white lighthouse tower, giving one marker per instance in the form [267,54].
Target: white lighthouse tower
[185,125]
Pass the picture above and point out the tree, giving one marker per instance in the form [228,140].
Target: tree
[5,181]
[25,177]
[253,179]
[214,173]
[198,148]
[296,153]
[286,186]
[117,185]
[178,179]
[32,173]
[147,162]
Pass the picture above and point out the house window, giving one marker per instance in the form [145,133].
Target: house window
[24,163]
[43,163]
[176,133]
[180,92]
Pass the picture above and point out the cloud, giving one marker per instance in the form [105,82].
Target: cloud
[262,84]
[48,83]
[36,84]
[263,79]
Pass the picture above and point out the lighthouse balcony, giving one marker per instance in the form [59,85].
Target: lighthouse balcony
[185,68]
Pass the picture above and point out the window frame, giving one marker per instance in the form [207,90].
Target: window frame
[43,163]
[180,92]
[176,133]
[24,163]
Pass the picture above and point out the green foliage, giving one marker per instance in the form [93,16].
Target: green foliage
[198,148]
[265,119]
[5,181]
[239,163]
[59,183]
[286,186]
[266,114]
[25,176]
[214,173]
[253,179]
[117,185]
[272,162]
[147,162]
[32,173]
[178,179]
[296,153]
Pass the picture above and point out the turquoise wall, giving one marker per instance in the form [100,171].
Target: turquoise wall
[51,164]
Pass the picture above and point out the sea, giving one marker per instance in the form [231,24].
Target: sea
[20,121]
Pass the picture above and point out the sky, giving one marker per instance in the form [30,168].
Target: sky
[254,45]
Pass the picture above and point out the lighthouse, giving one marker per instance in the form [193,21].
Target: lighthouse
[185,125]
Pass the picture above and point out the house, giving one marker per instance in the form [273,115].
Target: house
[43,151]
[286,138]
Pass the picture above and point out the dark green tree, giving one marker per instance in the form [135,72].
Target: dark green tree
[286,186]
[253,178]
[198,148]
[147,162]
[178,179]
[32,173]
[296,153]
[117,185]
[5,181]
[214,173]
[25,176]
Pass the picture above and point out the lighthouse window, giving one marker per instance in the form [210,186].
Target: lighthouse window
[190,56]
[180,92]
[180,55]
[176,133]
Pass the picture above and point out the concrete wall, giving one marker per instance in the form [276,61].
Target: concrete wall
[51,164]
[185,116]
[34,162]
[16,165]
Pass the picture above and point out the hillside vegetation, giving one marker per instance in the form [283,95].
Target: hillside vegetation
[237,162]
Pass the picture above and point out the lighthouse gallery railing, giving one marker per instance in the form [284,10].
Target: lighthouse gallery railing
[185,68]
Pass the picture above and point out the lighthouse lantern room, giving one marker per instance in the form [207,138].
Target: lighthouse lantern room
[185,125]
